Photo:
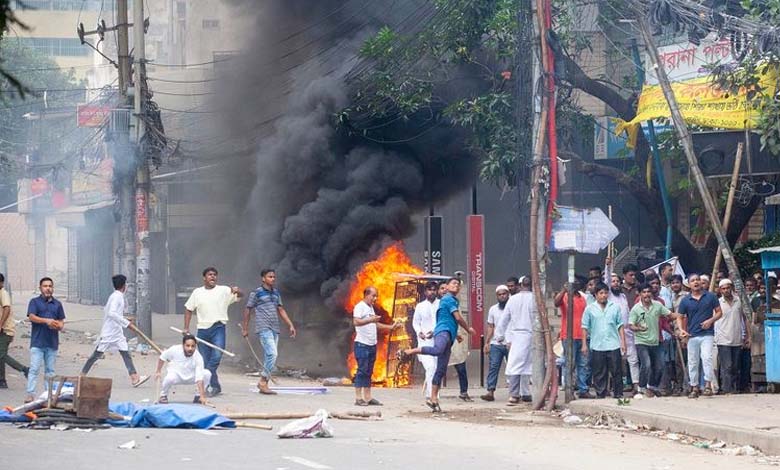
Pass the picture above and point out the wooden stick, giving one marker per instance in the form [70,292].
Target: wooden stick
[146,339]
[346,415]
[212,346]
[727,214]
[244,424]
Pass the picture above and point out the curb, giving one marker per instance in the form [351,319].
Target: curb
[766,441]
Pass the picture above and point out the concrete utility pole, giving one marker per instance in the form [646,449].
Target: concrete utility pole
[124,164]
[143,300]
[687,143]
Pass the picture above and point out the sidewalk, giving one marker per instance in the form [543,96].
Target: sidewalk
[738,419]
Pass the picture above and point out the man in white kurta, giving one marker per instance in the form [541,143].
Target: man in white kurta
[517,325]
[185,367]
[424,322]
[112,337]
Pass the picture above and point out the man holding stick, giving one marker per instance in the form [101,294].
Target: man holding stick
[211,303]
[267,305]
[111,335]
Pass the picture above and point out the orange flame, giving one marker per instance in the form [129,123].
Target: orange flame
[379,273]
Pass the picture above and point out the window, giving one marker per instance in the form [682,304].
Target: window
[210,24]
[56,46]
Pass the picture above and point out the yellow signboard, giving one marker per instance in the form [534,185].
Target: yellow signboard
[701,103]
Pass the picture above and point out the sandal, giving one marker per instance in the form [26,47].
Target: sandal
[465,397]
[162,400]
[436,408]
[694,393]
[360,402]
[707,392]
[374,402]
[514,401]
[430,404]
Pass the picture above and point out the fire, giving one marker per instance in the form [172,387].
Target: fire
[379,273]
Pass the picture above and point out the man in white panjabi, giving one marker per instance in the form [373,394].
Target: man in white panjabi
[112,338]
[185,367]
[517,325]
[424,322]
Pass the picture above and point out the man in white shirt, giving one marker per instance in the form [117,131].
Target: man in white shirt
[496,351]
[366,323]
[112,338]
[210,303]
[729,336]
[424,322]
[517,328]
[185,366]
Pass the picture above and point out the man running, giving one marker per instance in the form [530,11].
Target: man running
[112,338]
[210,303]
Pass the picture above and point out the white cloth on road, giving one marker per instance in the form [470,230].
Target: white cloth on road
[112,338]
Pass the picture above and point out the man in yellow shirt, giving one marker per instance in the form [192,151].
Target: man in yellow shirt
[7,331]
[210,303]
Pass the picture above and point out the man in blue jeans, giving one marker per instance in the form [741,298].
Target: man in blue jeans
[448,318]
[48,318]
[267,305]
[701,310]
[496,351]
[581,364]
[210,303]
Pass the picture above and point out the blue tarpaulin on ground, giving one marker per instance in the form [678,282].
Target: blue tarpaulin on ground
[8,417]
[173,415]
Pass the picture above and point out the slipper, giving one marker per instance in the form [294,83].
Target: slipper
[162,401]
[465,397]
[513,402]
[430,404]
[436,408]
[360,402]
[374,402]
[141,380]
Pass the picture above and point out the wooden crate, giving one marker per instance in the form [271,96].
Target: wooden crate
[92,396]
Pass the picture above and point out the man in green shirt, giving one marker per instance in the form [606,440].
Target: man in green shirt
[602,323]
[643,320]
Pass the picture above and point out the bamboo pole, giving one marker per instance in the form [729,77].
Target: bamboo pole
[272,416]
[146,339]
[244,424]
[687,144]
[727,215]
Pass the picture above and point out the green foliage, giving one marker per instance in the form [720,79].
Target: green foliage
[490,120]
[476,40]
[748,262]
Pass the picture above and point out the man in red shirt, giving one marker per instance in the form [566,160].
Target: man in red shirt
[581,361]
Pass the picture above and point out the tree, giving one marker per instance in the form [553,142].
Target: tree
[457,70]
[45,87]
[7,19]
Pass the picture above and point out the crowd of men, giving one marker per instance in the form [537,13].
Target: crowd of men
[192,362]
[655,333]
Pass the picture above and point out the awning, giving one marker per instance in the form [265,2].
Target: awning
[75,216]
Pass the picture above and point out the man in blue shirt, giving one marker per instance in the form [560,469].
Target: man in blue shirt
[602,323]
[48,319]
[700,310]
[448,318]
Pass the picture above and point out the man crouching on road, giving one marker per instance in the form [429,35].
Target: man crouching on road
[185,366]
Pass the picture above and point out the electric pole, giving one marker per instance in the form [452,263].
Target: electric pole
[143,300]
[124,163]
